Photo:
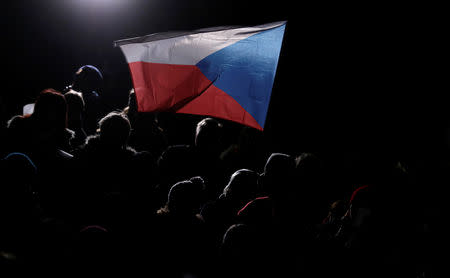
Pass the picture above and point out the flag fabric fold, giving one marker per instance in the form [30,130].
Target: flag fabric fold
[224,72]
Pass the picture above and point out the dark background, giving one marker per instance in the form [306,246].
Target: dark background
[350,77]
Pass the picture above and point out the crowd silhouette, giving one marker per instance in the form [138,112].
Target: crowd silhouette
[84,189]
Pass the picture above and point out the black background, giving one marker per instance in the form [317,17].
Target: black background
[350,77]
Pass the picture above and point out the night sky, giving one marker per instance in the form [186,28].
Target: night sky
[349,77]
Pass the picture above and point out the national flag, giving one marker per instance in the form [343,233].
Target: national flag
[224,72]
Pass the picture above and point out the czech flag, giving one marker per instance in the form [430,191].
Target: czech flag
[223,72]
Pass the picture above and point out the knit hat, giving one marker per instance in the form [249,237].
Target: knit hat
[87,78]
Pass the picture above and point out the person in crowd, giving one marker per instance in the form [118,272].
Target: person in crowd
[276,215]
[184,199]
[108,168]
[16,135]
[88,80]
[242,187]
[180,238]
[312,189]
[94,250]
[378,236]
[146,134]
[221,213]
[75,111]
[277,182]
[208,146]
[241,254]
[277,187]
[247,153]
[44,137]
[19,210]
[179,162]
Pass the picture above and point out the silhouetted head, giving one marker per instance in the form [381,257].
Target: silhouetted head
[87,79]
[238,242]
[16,135]
[244,250]
[75,106]
[185,197]
[242,186]
[208,134]
[114,130]
[310,181]
[18,173]
[359,216]
[278,173]
[93,249]
[308,165]
[50,110]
